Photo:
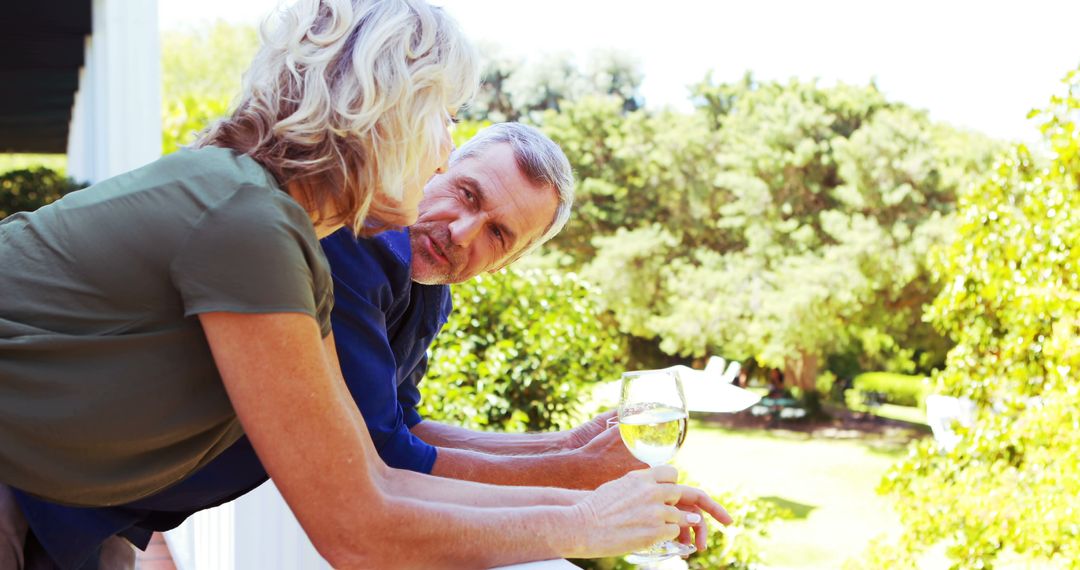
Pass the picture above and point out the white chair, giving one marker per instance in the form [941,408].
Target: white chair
[715,364]
[942,411]
[732,372]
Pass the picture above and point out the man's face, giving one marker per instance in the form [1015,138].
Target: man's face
[476,216]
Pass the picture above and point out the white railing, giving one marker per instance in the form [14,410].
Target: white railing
[259,531]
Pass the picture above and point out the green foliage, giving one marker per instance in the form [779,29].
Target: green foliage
[518,351]
[734,547]
[201,73]
[1011,303]
[785,222]
[466,130]
[898,389]
[55,162]
[28,190]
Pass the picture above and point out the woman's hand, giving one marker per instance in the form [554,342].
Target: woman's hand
[695,501]
[640,509]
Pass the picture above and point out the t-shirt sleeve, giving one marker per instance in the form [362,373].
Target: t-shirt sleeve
[251,254]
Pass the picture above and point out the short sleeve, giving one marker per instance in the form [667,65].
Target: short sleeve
[253,252]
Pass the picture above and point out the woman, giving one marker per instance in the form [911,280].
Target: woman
[150,320]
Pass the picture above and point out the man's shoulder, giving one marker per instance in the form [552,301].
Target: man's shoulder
[377,262]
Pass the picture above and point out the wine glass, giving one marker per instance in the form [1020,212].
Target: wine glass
[652,423]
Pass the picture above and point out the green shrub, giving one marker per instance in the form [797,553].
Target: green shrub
[829,386]
[30,189]
[898,389]
[518,350]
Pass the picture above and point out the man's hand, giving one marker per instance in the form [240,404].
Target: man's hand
[584,433]
[605,458]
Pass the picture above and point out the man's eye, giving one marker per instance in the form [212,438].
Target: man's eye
[498,235]
[468,195]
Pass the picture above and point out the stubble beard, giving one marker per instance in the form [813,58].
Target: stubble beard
[437,273]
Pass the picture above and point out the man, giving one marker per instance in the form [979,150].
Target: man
[505,192]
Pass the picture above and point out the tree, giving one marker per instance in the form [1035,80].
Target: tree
[493,100]
[201,73]
[512,88]
[1010,303]
[784,222]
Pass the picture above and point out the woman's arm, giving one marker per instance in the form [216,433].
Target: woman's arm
[311,438]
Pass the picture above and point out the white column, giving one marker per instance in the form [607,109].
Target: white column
[116,118]
[256,531]
[206,540]
[269,537]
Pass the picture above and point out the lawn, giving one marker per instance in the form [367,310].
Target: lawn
[826,478]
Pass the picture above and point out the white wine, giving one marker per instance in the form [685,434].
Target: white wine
[653,433]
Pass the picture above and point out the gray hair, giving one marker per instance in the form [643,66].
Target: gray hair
[540,160]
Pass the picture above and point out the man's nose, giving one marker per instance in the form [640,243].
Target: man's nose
[465,229]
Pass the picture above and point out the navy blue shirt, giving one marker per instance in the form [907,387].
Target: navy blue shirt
[383,325]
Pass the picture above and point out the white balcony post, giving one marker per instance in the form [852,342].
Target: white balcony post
[116,117]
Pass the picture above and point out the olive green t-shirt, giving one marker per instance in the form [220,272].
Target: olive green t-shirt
[108,390]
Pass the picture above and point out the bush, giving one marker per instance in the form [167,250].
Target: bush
[890,388]
[518,350]
[30,189]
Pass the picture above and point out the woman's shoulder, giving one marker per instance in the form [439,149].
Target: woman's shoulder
[218,167]
[222,179]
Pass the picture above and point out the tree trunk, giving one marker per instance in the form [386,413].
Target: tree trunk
[801,372]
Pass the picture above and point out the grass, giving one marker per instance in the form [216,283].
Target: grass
[828,484]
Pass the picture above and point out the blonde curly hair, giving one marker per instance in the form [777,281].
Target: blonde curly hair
[347,99]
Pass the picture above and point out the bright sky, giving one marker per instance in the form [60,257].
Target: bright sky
[975,64]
